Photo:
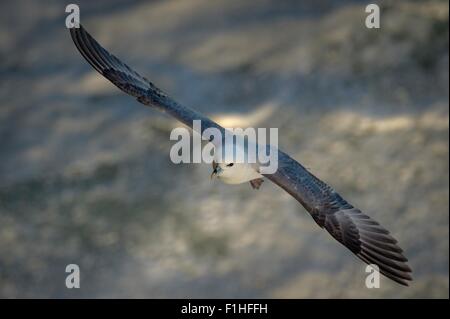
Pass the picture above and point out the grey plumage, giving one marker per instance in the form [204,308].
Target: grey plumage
[362,235]
[365,237]
[132,83]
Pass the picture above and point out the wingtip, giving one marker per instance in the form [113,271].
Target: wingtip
[80,26]
[77,32]
[74,29]
[403,282]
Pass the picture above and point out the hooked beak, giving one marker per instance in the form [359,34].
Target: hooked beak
[215,171]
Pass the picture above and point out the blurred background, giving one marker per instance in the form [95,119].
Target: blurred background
[85,175]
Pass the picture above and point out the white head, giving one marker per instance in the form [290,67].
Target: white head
[231,172]
[234,173]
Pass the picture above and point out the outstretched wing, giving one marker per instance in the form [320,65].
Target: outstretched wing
[365,237]
[132,83]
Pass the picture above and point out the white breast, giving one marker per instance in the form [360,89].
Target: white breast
[239,173]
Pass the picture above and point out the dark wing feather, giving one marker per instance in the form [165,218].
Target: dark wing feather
[131,82]
[365,237]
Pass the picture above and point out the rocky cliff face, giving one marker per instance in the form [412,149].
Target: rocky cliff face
[85,175]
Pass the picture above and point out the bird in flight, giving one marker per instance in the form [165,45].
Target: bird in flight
[362,235]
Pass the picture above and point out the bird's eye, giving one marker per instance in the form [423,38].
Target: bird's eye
[231,164]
